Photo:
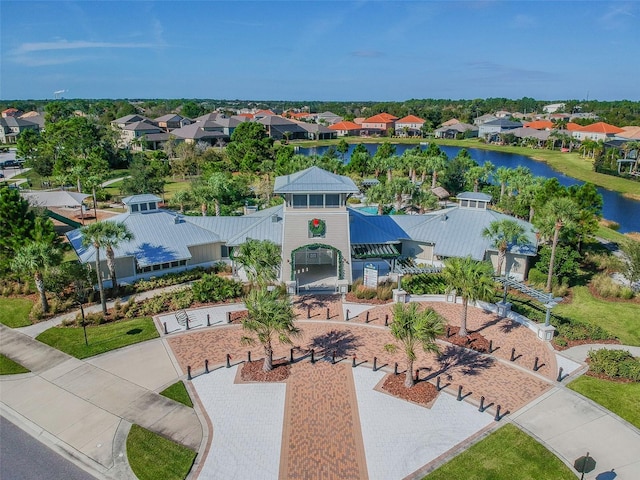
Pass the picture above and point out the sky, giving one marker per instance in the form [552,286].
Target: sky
[320,50]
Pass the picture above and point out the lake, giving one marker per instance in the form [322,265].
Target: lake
[617,208]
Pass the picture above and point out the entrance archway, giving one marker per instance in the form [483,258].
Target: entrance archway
[317,266]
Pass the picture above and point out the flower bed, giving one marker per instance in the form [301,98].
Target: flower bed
[252,371]
[421,393]
[474,340]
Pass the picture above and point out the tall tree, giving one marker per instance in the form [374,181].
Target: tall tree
[106,235]
[270,317]
[342,148]
[557,214]
[435,162]
[472,280]
[380,195]
[412,328]
[35,258]
[146,176]
[504,234]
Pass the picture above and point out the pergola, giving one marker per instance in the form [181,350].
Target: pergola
[547,299]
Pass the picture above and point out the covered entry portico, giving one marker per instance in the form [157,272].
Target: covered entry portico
[316,267]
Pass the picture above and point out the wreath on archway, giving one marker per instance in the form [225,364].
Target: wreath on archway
[317,227]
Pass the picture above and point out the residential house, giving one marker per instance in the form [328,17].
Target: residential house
[11,112]
[500,125]
[410,126]
[596,131]
[279,127]
[11,127]
[324,243]
[379,124]
[553,108]
[131,135]
[451,121]
[171,121]
[328,118]
[206,132]
[456,130]
[502,114]
[540,125]
[629,133]
[316,131]
[346,128]
[484,119]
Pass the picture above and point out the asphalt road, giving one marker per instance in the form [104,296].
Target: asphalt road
[22,457]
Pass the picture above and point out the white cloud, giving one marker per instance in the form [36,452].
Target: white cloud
[75,45]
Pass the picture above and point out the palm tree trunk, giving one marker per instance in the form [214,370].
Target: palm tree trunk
[216,204]
[203,208]
[408,380]
[111,264]
[531,212]
[463,318]
[554,244]
[434,179]
[43,295]
[268,358]
[501,256]
[103,300]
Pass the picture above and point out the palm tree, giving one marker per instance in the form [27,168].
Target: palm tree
[381,195]
[413,328]
[270,316]
[503,235]
[261,260]
[398,187]
[502,175]
[218,184]
[436,164]
[472,280]
[35,258]
[558,213]
[181,197]
[107,235]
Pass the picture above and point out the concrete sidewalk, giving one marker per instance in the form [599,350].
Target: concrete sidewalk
[571,425]
[581,352]
[81,407]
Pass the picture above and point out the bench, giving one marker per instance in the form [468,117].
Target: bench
[182,318]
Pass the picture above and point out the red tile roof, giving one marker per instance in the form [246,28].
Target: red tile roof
[410,119]
[245,115]
[380,118]
[345,125]
[539,124]
[600,127]
[571,126]
[265,112]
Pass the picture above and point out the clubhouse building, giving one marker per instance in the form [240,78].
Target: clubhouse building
[324,243]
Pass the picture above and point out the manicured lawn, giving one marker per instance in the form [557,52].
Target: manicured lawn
[152,456]
[102,338]
[621,398]
[14,312]
[611,235]
[178,392]
[618,318]
[505,454]
[9,367]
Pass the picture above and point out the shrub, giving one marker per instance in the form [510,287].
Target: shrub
[384,292]
[615,363]
[582,331]
[36,312]
[605,261]
[212,288]
[424,284]
[365,293]
[606,287]
[536,277]
[561,342]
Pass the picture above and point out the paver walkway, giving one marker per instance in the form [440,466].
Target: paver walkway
[82,405]
[322,439]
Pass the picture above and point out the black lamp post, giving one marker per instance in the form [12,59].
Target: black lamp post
[84,324]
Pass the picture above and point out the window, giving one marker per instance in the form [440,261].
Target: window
[224,251]
[143,207]
[152,206]
[134,208]
[332,200]
[472,203]
[299,201]
[316,200]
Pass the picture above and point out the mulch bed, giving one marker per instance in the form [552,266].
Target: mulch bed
[422,392]
[351,298]
[474,340]
[252,371]
[239,316]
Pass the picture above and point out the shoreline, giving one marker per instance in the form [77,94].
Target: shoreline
[570,164]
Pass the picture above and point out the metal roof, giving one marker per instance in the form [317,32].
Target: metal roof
[58,198]
[314,179]
[374,228]
[474,196]
[158,238]
[141,198]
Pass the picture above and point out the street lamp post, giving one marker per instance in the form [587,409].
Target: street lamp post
[84,324]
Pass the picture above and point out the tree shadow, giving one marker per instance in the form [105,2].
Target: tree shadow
[344,343]
[134,331]
[471,362]
[509,326]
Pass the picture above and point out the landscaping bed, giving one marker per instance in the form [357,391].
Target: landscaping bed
[421,393]
[252,371]
[474,340]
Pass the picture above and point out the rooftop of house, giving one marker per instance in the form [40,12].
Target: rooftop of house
[410,119]
[345,125]
[540,124]
[380,118]
[600,127]
[502,122]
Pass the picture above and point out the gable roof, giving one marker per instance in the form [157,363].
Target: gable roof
[169,117]
[195,131]
[502,122]
[314,179]
[130,119]
[410,119]
[450,122]
[631,132]
[539,124]
[380,118]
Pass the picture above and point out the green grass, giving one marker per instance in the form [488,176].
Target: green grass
[620,398]
[9,367]
[611,235]
[618,318]
[152,456]
[14,312]
[102,338]
[505,454]
[178,392]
